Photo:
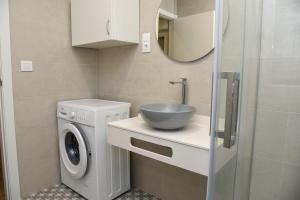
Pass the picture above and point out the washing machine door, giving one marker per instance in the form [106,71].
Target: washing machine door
[73,150]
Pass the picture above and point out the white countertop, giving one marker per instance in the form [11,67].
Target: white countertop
[195,134]
[190,145]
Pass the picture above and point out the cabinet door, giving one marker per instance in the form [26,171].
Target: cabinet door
[125,20]
[90,21]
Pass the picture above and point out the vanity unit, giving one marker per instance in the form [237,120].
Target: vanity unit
[104,23]
[187,148]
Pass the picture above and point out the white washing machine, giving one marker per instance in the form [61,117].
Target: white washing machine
[90,166]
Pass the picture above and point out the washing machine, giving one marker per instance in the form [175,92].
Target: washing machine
[89,165]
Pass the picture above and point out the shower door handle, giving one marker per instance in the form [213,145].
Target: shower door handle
[231,110]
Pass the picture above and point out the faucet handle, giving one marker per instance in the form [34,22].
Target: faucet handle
[183,83]
[184,80]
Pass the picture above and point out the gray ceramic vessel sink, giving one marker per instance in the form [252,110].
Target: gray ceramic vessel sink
[167,116]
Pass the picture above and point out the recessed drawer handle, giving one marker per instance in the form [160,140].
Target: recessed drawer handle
[152,147]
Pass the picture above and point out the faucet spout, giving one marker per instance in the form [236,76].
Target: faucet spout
[183,83]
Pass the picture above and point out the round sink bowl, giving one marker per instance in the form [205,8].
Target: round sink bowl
[167,116]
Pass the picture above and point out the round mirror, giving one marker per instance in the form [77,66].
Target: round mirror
[185,28]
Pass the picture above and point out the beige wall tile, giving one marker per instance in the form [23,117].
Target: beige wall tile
[165,181]
[279,98]
[191,7]
[291,147]
[126,74]
[290,181]
[40,31]
[276,172]
[180,184]
[146,174]
[280,33]
[266,179]
[270,134]
[225,181]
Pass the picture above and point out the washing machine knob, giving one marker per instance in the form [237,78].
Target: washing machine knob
[72,115]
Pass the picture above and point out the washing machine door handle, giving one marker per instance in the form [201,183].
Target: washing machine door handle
[73,150]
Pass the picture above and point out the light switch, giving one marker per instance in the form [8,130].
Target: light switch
[26,66]
[146,43]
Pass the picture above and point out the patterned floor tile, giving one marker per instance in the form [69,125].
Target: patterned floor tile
[62,192]
[58,192]
[137,195]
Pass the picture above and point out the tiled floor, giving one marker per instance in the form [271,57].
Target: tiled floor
[62,192]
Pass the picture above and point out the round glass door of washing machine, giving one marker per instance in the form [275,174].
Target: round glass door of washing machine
[73,150]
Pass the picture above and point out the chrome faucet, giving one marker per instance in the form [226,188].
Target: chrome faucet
[183,83]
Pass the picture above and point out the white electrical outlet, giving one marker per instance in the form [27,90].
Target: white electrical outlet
[26,66]
[146,43]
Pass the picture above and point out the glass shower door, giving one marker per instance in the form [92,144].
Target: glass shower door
[237,47]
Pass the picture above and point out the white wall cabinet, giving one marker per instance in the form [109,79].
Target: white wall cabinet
[104,23]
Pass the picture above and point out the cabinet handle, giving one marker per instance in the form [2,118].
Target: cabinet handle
[108,27]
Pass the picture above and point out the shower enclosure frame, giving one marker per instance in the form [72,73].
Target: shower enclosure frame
[218,69]
[218,35]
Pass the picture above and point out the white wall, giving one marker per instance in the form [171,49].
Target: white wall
[276,167]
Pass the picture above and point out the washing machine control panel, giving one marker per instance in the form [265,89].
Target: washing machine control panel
[76,115]
[72,115]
